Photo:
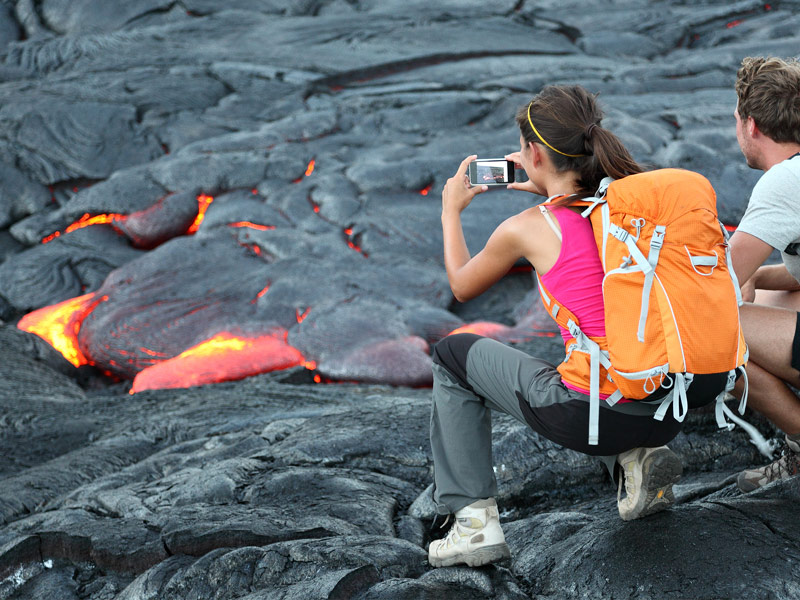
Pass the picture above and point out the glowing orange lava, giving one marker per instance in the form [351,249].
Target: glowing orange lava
[355,247]
[348,233]
[424,191]
[224,357]
[502,332]
[301,317]
[250,225]
[153,353]
[734,23]
[203,202]
[87,219]
[59,324]
[310,167]
[484,328]
[261,293]
[730,227]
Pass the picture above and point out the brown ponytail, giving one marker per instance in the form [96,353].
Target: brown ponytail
[565,119]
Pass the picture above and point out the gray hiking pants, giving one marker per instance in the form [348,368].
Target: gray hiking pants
[472,375]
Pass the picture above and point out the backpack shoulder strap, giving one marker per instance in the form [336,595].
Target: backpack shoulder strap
[599,196]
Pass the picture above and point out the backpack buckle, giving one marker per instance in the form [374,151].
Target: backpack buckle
[618,232]
[658,238]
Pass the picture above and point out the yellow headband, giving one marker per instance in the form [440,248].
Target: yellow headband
[543,140]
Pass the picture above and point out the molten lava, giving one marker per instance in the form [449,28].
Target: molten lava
[203,201]
[351,243]
[484,328]
[59,324]
[224,357]
[261,293]
[424,191]
[501,332]
[250,225]
[85,221]
[309,170]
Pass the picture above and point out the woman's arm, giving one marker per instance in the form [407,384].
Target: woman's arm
[471,276]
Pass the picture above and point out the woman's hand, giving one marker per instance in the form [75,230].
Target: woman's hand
[525,186]
[457,192]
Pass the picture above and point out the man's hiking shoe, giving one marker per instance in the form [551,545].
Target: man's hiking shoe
[474,539]
[787,465]
[648,474]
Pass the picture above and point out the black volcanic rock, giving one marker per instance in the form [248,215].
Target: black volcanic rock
[322,132]
[261,485]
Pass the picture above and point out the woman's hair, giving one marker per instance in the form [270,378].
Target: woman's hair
[566,120]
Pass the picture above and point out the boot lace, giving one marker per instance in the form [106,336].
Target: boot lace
[457,533]
[441,526]
[630,485]
[787,465]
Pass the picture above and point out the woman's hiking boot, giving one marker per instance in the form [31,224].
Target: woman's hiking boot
[648,475]
[787,465]
[475,538]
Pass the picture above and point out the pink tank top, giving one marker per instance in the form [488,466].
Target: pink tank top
[576,279]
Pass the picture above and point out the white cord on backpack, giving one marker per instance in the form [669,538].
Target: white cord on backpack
[765,447]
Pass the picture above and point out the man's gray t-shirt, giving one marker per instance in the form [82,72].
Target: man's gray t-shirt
[773,213]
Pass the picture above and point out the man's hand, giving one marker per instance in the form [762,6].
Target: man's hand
[457,192]
[749,290]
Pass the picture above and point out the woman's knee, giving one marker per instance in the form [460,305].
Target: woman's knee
[451,352]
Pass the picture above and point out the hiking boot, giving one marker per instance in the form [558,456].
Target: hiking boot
[440,526]
[648,474]
[787,465]
[474,539]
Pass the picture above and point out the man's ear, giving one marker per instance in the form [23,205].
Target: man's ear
[752,128]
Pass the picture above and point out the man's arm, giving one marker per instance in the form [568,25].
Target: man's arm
[774,277]
[748,253]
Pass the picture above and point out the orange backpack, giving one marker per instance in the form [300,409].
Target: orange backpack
[671,298]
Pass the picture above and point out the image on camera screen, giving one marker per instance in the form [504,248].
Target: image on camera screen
[492,172]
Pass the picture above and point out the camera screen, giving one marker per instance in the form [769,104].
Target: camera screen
[493,171]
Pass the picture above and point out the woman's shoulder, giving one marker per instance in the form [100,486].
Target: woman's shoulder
[525,220]
[530,231]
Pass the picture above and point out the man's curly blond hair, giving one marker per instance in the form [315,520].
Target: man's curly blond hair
[769,91]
